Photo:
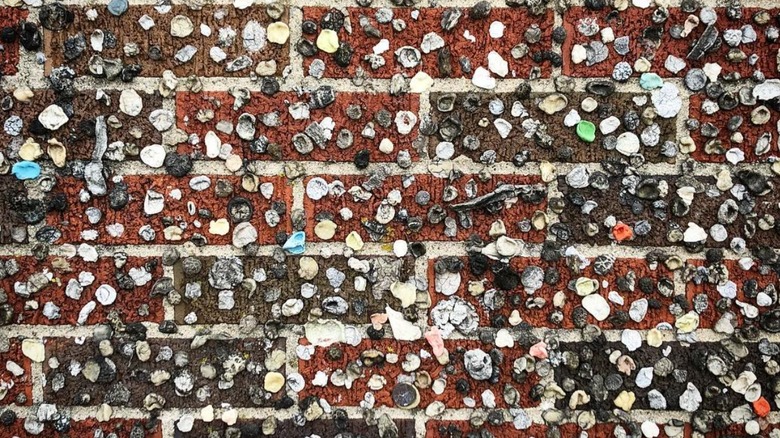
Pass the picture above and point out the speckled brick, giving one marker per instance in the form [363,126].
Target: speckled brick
[17,389]
[653,41]
[73,221]
[127,30]
[193,107]
[340,396]
[119,427]
[131,305]
[713,149]
[363,213]
[278,282]
[495,305]
[460,45]
[126,135]
[246,389]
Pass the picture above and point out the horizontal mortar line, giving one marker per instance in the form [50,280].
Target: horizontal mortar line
[497,4]
[79,413]
[370,85]
[296,331]
[424,167]
[435,249]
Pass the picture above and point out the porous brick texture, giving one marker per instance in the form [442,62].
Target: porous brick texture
[389,218]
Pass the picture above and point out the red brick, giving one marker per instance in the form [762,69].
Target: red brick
[127,30]
[9,57]
[708,318]
[289,286]
[73,220]
[633,22]
[134,374]
[221,103]
[77,135]
[339,396]
[63,270]
[541,317]
[16,386]
[365,211]
[89,428]
[750,132]
[516,20]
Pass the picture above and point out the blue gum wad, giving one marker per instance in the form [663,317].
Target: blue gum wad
[26,170]
[296,243]
[650,81]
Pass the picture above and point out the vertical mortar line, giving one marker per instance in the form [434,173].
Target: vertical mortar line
[557,48]
[169,104]
[36,373]
[295,14]
[167,426]
[291,364]
[169,311]
[682,116]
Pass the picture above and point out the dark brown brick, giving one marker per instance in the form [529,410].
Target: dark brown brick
[551,141]
[11,219]
[283,283]
[629,209]
[127,30]
[689,359]
[288,429]
[134,375]
[713,149]
[78,134]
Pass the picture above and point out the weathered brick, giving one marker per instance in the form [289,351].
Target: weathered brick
[628,208]
[12,223]
[199,113]
[547,138]
[132,305]
[9,57]
[323,361]
[127,135]
[364,212]
[73,221]
[655,43]
[452,428]
[278,282]
[706,279]
[713,149]
[421,21]
[288,429]
[449,429]
[494,305]
[121,428]
[690,360]
[15,389]
[127,30]
[131,383]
